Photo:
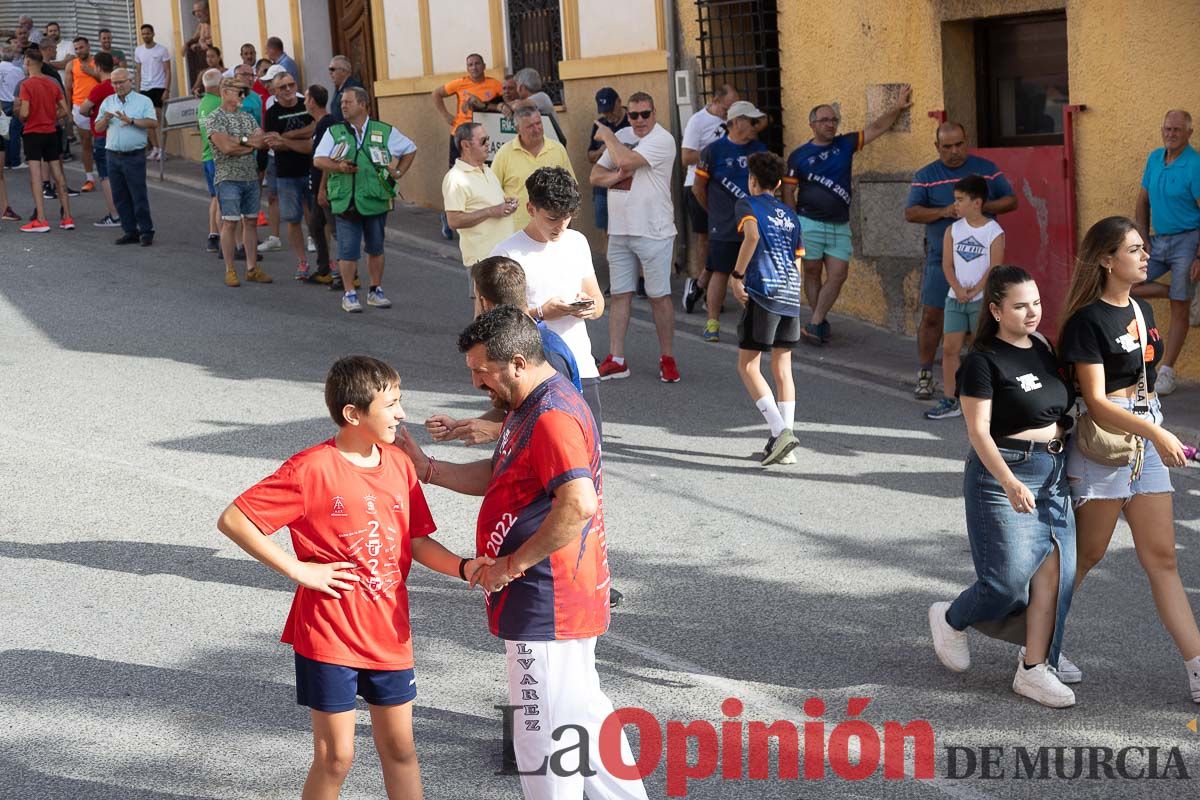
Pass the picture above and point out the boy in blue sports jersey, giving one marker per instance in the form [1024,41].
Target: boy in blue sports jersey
[766,281]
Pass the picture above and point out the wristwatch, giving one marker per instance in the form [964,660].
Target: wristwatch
[244,140]
[741,276]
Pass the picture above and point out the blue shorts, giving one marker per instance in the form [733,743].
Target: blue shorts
[294,198]
[359,233]
[1092,481]
[210,177]
[272,177]
[332,688]
[1174,253]
[100,156]
[934,288]
[238,199]
[600,208]
[826,239]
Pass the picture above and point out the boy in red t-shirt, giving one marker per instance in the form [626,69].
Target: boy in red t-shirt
[358,519]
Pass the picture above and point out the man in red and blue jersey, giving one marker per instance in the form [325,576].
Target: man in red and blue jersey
[720,182]
[931,203]
[817,185]
[542,520]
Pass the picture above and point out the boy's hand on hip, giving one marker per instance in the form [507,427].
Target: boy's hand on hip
[326,578]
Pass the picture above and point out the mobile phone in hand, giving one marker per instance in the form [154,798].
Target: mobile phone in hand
[588,303]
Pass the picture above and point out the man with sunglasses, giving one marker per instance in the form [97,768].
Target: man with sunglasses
[341,72]
[289,127]
[473,198]
[125,118]
[817,185]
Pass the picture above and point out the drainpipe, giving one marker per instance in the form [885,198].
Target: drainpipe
[1069,113]
[681,221]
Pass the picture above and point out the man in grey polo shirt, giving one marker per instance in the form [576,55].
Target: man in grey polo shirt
[1167,203]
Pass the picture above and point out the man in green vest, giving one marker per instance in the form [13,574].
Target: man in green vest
[362,159]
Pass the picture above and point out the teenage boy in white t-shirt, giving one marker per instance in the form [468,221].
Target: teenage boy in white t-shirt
[972,246]
[152,62]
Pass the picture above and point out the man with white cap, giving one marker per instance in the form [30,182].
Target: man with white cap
[721,180]
[272,242]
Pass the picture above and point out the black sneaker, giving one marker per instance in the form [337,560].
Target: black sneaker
[614,598]
[826,332]
[811,334]
[641,287]
[240,253]
[693,294]
[48,192]
[214,244]
[336,284]
[72,192]
[129,238]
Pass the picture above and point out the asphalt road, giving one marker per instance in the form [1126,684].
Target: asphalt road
[140,655]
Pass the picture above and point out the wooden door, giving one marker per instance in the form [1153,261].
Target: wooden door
[351,32]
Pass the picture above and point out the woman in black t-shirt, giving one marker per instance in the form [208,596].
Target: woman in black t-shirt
[1019,520]
[1102,341]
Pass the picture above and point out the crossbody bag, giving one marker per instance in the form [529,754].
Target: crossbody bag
[1112,447]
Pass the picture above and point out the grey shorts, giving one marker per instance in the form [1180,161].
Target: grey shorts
[1091,481]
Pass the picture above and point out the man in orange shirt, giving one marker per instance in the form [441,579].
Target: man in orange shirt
[81,79]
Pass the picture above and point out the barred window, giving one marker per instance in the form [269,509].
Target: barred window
[536,39]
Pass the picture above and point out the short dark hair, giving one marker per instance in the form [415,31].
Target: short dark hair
[500,281]
[103,31]
[275,42]
[641,97]
[505,332]
[104,61]
[973,186]
[259,63]
[767,168]
[359,92]
[354,381]
[34,53]
[318,93]
[147,25]
[465,132]
[79,39]
[55,24]
[553,189]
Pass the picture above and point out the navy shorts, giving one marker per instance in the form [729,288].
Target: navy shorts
[697,216]
[210,177]
[332,688]
[722,256]
[600,208]
[100,157]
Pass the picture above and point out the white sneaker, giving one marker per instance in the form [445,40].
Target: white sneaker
[1193,671]
[350,303]
[951,646]
[271,244]
[1042,685]
[155,155]
[376,298]
[1066,669]
[312,246]
[1164,384]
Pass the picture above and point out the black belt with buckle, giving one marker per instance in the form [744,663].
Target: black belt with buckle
[1054,446]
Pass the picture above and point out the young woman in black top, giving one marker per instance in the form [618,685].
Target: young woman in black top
[1019,521]
[1102,342]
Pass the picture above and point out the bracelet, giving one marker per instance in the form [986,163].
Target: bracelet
[741,276]
[537,314]
[508,570]
[432,470]
[462,569]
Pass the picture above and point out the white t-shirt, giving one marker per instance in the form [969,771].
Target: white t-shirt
[702,129]
[152,61]
[557,269]
[972,248]
[642,206]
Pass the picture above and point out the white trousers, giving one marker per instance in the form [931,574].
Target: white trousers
[556,684]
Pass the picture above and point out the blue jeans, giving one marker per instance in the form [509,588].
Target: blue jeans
[1008,548]
[356,233]
[127,178]
[12,148]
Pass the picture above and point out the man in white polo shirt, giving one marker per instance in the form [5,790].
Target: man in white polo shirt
[636,169]
[473,198]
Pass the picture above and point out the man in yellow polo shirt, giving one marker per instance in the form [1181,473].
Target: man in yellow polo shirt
[518,159]
[473,198]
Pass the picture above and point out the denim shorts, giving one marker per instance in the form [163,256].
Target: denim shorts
[332,688]
[626,253]
[1092,481]
[210,177]
[826,239]
[934,287]
[1174,253]
[961,317]
[100,156]
[1007,548]
[600,208]
[294,198]
[359,233]
[272,186]
[237,199]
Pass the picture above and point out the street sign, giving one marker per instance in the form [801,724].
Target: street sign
[180,112]
[500,129]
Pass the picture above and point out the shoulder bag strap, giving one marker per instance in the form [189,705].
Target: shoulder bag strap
[1140,402]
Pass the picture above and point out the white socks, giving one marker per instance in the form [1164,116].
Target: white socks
[770,411]
[787,410]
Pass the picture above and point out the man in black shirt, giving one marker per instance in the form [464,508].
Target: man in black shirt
[289,128]
[315,100]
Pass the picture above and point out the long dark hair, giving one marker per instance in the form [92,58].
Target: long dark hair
[998,283]
[1090,277]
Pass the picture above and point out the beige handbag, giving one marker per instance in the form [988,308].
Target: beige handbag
[1116,448]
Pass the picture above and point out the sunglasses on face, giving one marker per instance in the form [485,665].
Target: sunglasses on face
[640,114]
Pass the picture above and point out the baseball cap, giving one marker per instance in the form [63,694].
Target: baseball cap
[275,70]
[606,99]
[743,108]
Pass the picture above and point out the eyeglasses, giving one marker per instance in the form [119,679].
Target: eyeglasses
[485,141]
[826,120]
[641,114]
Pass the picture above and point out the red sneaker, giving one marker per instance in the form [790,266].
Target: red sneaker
[67,223]
[667,371]
[88,186]
[35,226]
[262,220]
[611,370]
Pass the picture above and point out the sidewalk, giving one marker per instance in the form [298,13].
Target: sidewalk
[859,348]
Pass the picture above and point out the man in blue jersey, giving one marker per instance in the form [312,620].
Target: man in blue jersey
[721,180]
[931,203]
[766,282]
[817,185]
